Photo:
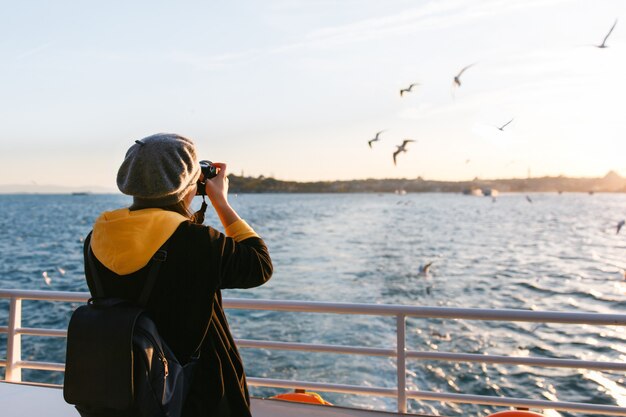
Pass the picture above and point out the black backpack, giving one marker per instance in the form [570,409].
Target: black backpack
[116,364]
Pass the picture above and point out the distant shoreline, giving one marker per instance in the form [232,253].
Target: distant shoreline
[610,183]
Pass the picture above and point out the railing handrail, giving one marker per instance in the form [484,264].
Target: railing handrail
[14,364]
[368,309]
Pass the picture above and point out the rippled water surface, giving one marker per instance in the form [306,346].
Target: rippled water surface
[559,252]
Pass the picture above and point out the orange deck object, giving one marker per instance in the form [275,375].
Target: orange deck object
[302,397]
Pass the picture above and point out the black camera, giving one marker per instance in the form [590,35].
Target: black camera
[208,171]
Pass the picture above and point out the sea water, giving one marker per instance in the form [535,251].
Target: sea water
[558,252]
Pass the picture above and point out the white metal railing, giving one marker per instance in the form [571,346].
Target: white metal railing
[14,364]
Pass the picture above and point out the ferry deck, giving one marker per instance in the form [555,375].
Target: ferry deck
[27,400]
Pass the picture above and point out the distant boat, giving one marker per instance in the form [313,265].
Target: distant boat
[477,192]
[80,193]
[490,192]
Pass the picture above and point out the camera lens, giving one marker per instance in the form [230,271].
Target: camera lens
[208,169]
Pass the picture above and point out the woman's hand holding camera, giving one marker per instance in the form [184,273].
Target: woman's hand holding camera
[217,190]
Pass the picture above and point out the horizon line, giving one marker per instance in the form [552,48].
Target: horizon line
[107,190]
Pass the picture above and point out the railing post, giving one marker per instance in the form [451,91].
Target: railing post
[13,372]
[401,362]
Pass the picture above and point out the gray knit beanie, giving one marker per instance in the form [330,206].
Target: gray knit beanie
[159,170]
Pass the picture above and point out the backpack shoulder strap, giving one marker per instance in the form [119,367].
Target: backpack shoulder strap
[155,265]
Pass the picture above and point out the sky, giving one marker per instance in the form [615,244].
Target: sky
[295,89]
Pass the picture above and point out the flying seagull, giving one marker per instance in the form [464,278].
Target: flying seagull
[376,138]
[408,89]
[501,128]
[619,226]
[603,44]
[46,278]
[401,148]
[424,269]
[457,78]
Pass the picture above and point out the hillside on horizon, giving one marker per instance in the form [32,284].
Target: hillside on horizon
[611,182]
